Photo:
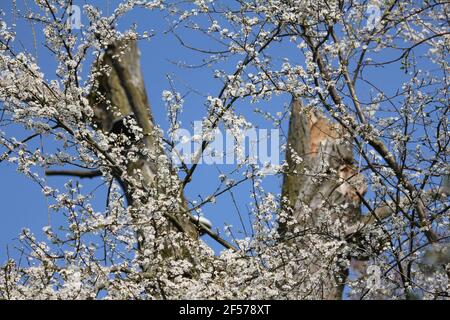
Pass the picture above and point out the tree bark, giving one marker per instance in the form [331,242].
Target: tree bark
[321,178]
[121,94]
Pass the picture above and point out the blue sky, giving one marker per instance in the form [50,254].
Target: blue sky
[22,203]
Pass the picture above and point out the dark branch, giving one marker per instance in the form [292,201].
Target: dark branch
[74,173]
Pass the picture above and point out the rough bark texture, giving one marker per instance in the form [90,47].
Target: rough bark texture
[121,95]
[312,137]
[321,175]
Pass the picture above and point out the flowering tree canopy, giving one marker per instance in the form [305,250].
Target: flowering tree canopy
[363,209]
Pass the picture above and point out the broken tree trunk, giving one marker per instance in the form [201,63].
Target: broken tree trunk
[321,180]
[321,174]
[120,100]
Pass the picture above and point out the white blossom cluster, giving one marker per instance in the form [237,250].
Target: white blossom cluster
[321,52]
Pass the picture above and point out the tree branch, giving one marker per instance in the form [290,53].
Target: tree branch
[74,173]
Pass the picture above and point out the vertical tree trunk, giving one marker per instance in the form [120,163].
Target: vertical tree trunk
[119,97]
[321,174]
[321,180]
